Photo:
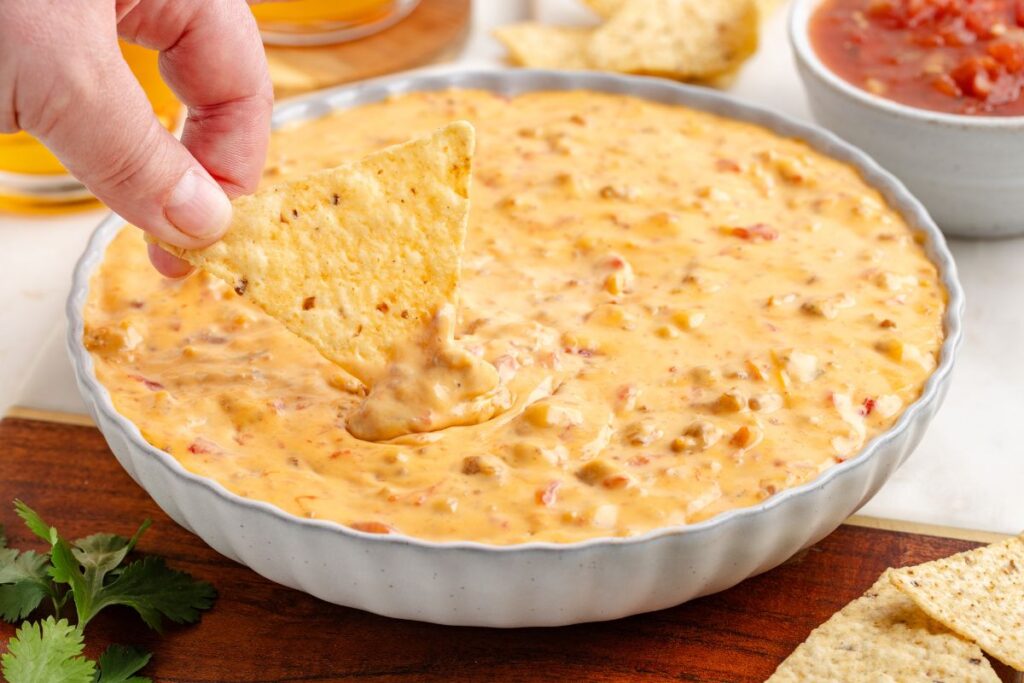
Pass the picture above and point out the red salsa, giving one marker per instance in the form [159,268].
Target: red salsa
[955,56]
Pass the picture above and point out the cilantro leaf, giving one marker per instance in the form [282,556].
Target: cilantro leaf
[65,569]
[15,566]
[103,552]
[118,664]
[92,569]
[47,651]
[18,600]
[34,522]
[24,581]
[154,590]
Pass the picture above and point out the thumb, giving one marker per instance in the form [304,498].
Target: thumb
[110,140]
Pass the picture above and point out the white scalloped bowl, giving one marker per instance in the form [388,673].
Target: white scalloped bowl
[533,584]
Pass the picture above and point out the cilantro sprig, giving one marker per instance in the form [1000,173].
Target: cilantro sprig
[90,573]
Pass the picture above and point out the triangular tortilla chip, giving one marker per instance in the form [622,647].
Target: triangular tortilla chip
[979,594]
[684,39]
[358,258]
[883,636]
[606,8]
[539,46]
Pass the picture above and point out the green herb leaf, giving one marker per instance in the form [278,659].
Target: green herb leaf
[24,581]
[92,569]
[47,651]
[18,600]
[118,664]
[15,566]
[85,566]
[103,552]
[154,590]
[34,522]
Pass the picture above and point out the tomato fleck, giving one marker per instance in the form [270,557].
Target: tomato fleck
[758,232]
[202,446]
[867,407]
[149,384]
[727,165]
[371,527]
[548,495]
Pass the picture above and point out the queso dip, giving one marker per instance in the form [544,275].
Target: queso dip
[686,314]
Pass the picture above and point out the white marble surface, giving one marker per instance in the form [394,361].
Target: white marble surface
[968,471]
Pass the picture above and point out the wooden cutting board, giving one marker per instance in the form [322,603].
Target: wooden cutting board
[433,32]
[259,631]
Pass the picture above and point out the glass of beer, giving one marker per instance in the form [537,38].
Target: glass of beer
[322,22]
[32,178]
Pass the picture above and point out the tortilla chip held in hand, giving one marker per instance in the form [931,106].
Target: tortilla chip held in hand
[357,258]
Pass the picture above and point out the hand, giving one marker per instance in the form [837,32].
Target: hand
[62,79]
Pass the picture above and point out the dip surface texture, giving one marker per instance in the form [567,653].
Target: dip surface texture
[688,314]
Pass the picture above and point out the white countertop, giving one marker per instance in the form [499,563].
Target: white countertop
[968,471]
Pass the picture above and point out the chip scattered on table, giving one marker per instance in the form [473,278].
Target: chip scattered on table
[690,40]
[357,258]
[979,594]
[684,39]
[884,636]
[606,8]
[539,46]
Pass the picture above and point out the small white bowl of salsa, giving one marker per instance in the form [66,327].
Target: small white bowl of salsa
[933,90]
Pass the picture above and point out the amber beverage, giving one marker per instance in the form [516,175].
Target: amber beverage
[31,177]
[319,22]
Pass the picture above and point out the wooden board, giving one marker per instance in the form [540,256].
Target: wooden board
[259,631]
[432,32]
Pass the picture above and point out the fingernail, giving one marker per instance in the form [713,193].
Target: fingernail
[198,206]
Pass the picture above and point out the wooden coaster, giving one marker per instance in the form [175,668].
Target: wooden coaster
[434,31]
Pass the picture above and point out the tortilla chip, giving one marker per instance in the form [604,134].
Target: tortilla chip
[606,8]
[979,594]
[883,636]
[539,46]
[684,39]
[356,258]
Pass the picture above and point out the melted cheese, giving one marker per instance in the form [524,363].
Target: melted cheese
[686,315]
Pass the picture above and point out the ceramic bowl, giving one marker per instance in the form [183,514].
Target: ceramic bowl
[533,584]
[966,170]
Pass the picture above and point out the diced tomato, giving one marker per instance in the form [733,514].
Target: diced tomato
[867,406]
[548,495]
[945,84]
[960,56]
[1010,55]
[974,75]
[149,384]
[201,446]
[756,232]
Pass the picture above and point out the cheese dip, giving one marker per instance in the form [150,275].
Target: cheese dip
[686,314]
